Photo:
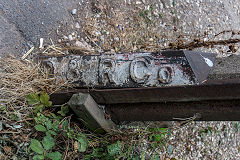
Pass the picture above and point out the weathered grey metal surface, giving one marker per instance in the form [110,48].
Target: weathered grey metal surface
[89,113]
[167,68]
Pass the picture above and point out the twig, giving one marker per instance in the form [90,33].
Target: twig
[65,157]
[93,41]
[9,132]
[8,140]
[27,119]
[199,44]
[27,53]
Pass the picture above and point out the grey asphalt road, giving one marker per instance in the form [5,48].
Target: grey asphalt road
[24,22]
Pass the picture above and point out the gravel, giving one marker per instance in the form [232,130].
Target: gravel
[205,140]
[171,22]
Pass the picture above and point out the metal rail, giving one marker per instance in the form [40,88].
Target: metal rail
[213,100]
[201,110]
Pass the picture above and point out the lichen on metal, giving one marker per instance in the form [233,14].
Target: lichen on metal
[130,70]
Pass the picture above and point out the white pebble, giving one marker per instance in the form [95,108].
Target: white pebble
[138,2]
[65,37]
[116,38]
[70,37]
[77,25]
[74,11]
[41,43]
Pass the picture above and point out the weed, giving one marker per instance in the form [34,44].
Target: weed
[52,129]
[157,136]
[236,126]
[51,126]
[174,3]
[146,15]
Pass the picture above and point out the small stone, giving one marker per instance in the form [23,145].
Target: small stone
[70,37]
[84,45]
[116,38]
[67,44]
[77,25]
[102,38]
[120,27]
[41,43]
[65,37]
[138,2]
[59,41]
[74,11]
[97,33]
[170,149]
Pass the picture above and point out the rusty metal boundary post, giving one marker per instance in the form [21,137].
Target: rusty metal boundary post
[132,70]
[149,86]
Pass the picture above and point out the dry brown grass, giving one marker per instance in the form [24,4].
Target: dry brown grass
[19,78]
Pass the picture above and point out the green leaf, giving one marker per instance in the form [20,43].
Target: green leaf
[48,142]
[38,108]
[82,143]
[55,125]
[48,124]
[135,158]
[156,157]
[65,125]
[64,111]
[98,153]
[13,117]
[54,155]
[163,130]
[114,149]
[44,99]
[40,128]
[38,157]
[2,108]
[36,146]
[70,133]
[158,137]
[143,155]
[154,145]
[33,99]
[53,115]
[50,132]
